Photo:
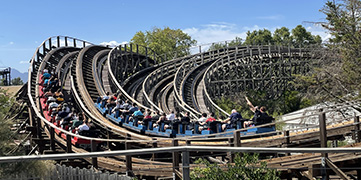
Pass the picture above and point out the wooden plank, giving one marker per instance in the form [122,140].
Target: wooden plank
[338,171]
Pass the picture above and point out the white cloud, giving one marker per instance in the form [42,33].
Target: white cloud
[24,62]
[11,43]
[317,30]
[113,43]
[214,32]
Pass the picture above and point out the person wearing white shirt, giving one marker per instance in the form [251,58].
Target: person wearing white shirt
[171,116]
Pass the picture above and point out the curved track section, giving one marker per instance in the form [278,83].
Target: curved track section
[186,84]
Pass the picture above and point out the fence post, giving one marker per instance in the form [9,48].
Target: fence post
[52,139]
[357,129]
[185,164]
[94,149]
[154,145]
[175,159]
[230,154]
[288,141]
[68,143]
[237,139]
[323,139]
[128,160]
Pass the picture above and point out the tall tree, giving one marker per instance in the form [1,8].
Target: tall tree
[343,21]
[169,43]
[301,37]
[282,36]
[259,37]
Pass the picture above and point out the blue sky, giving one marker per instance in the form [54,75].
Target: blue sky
[25,24]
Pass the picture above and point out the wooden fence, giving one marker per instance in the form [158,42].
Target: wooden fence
[69,173]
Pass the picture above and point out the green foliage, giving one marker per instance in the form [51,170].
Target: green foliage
[282,36]
[301,37]
[236,42]
[339,143]
[9,148]
[343,21]
[17,81]
[259,37]
[245,167]
[169,43]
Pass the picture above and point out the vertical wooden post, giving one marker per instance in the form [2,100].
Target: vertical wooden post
[323,132]
[323,139]
[185,164]
[66,41]
[108,137]
[50,44]
[230,154]
[38,128]
[68,143]
[237,139]
[128,160]
[357,129]
[288,141]
[175,160]
[154,145]
[52,139]
[188,143]
[94,149]
[58,41]
[74,42]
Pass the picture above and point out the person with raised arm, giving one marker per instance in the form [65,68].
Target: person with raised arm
[260,115]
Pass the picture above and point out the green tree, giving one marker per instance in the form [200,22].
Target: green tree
[282,36]
[17,81]
[236,42]
[259,37]
[169,43]
[301,37]
[343,21]
[245,167]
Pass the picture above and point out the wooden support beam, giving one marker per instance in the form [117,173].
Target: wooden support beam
[175,160]
[185,165]
[38,128]
[68,143]
[154,145]
[357,129]
[310,171]
[286,134]
[230,154]
[94,149]
[338,171]
[128,160]
[52,139]
[237,139]
[323,139]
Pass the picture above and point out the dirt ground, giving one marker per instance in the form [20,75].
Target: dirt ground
[11,90]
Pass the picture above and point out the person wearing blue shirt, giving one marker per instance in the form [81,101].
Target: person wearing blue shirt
[231,120]
[138,113]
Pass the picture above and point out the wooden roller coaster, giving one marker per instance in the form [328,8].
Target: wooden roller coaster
[190,83]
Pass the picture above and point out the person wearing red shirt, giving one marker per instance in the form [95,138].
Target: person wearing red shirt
[210,119]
